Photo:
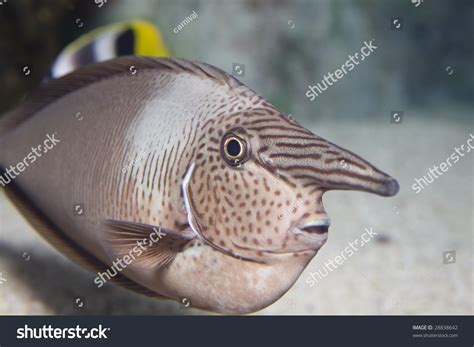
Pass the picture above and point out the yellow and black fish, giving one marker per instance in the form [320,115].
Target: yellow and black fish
[134,37]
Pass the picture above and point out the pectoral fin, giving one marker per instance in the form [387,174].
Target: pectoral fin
[147,245]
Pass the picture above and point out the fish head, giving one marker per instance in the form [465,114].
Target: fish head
[257,186]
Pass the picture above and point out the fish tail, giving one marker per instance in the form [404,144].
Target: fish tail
[134,37]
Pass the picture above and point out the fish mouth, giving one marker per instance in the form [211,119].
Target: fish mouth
[316,232]
[319,227]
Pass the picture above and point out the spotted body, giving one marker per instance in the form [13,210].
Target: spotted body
[236,185]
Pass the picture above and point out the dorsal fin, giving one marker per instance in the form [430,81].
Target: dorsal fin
[112,68]
[62,243]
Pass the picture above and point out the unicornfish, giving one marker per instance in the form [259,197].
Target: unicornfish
[171,177]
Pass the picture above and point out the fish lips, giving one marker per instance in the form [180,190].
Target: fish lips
[314,232]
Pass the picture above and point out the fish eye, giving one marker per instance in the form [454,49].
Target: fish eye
[233,149]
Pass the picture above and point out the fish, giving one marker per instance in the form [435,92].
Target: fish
[176,181]
[131,37]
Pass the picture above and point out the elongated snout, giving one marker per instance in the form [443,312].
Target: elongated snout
[314,161]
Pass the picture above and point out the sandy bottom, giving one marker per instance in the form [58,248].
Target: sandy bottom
[400,271]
